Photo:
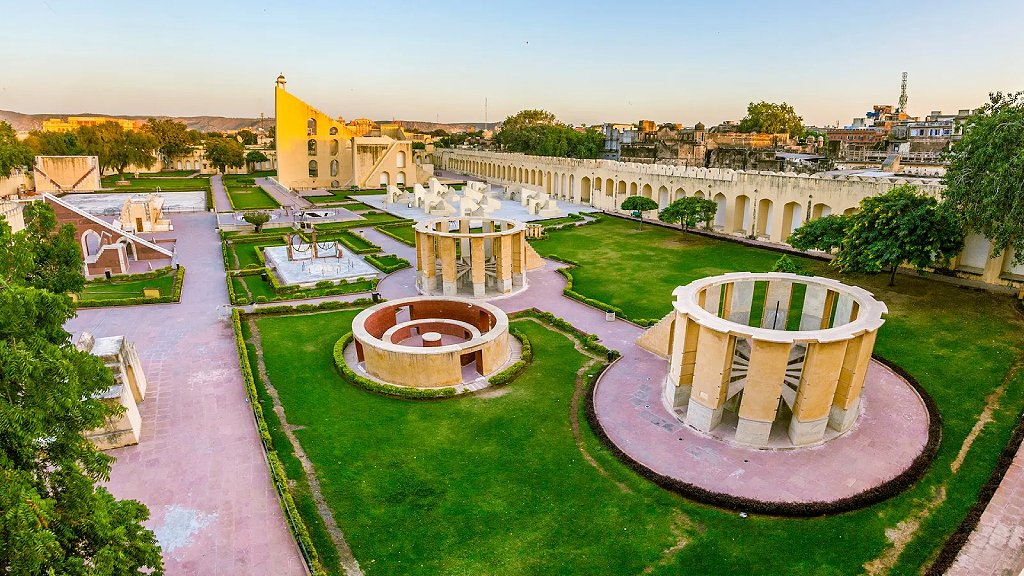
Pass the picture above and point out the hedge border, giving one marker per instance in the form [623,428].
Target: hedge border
[880,493]
[179,280]
[587,340]
[277,474]
[503,378]
[385,230]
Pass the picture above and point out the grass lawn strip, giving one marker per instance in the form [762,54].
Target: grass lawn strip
[244,194]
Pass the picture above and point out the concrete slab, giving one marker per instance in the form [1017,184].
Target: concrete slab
[110,204]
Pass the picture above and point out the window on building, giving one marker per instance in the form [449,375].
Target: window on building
[333,130]
[311,127]
[334,147]
[311,147]
[334,167]
[400,160]
[313,171]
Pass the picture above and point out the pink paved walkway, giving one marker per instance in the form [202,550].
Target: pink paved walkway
[996,547]
[220,195]
[199,467]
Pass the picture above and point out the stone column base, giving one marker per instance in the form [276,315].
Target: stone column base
[676,396]
[753,432]
[519,279]
[841,420]
[449,288]
[803,433]
[479,289]
[701,417]
[505,285]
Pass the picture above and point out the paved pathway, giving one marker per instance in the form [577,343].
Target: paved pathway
[220,194]
[996,547]
[200,466]
[283,196]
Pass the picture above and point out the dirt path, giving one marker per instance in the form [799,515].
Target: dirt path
[347,559]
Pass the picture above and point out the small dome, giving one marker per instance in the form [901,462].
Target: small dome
[280,78]
[699,126]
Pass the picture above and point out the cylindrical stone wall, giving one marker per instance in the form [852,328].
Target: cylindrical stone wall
[470,257]
[775,349]
[425,342]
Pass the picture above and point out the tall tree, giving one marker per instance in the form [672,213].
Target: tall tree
[246,137]
[985,177]
[825,234]
[637,205]
[770,118]
[172,137]
[526,118]
[54,519]
[131,148]
[902,226]
[13,152]
[54,143]
[689,211]
[253,157]
[224,152]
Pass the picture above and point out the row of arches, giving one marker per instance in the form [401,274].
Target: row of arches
[745,214]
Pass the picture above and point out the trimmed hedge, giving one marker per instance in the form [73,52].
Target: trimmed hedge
[374,261]
[588,341]
[380,388]
[277,473]
[179,280]
[385,230]
[508,375]
[871,496]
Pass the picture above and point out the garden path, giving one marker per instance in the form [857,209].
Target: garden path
[220,195]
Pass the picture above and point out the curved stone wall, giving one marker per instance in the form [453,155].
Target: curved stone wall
[768,347]
[424,342]
[474,257]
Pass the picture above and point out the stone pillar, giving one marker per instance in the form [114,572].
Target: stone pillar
[776,305]
[740,299]
[518,258]
[814,307]
[846,401]
[477,269]
[710,385]
[682,360]
[464,242]
[426,262]
[448,267]
[994,267]
[762,391]
[818,381]
[503,266]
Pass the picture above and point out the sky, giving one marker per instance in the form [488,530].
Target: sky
[586,61]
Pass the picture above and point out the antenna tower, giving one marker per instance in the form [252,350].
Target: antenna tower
[903,94]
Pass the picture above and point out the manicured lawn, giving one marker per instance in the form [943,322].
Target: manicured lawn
[959,343]
[406,233]
[143,184]
[252,287]
[245,195]
[101,290]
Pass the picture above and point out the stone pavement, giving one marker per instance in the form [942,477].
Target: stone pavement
[220,194]
[200,466]
[283,196]
[996,547]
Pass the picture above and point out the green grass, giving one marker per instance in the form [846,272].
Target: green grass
[245,195]
[254,286]
[143,184]
[406,233]
[102,290]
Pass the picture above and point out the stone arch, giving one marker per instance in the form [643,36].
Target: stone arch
[333,131]
[622,188]
[609,187]
[585,189]
[400,159]
[314,170]
[820,210]
[633,188]
[680,193]
[698,194]
[720,203]
[188,164]
[334,167]
[563,189]
[647,191]
[179,165]
[91,243]
[311,127]
[764,217]
[385,179]
[598,184]
[400,179]
[849,211]
[130,251]
[334,147]
[792,215]
[663,199]
[741,214]
[311,147]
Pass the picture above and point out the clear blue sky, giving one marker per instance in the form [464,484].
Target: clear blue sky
[586,61]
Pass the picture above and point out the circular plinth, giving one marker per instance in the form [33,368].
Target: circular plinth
[470,257]
[886,449]
[423,342]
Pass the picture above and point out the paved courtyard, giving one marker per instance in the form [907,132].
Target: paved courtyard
[110,204]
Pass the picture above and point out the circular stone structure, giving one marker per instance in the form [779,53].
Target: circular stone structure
[774,348]
[423,342]
[474,257]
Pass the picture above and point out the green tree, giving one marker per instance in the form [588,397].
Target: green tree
[528,118]
[132,148]
[247,137]
[986,171]
[825,234]
[689,211]
[172,137]
[785,264]
[254,157]
[770,118]
[54,519]
[224,152]
[902,226]
[13,152]
[637,205]
[54,143]
[257,219]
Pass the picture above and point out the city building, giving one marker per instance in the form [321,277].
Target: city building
[72,123]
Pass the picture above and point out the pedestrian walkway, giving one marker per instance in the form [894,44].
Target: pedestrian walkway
[284,196]
[200,465]
[221,203]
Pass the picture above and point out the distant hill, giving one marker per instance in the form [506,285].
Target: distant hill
[27,122]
